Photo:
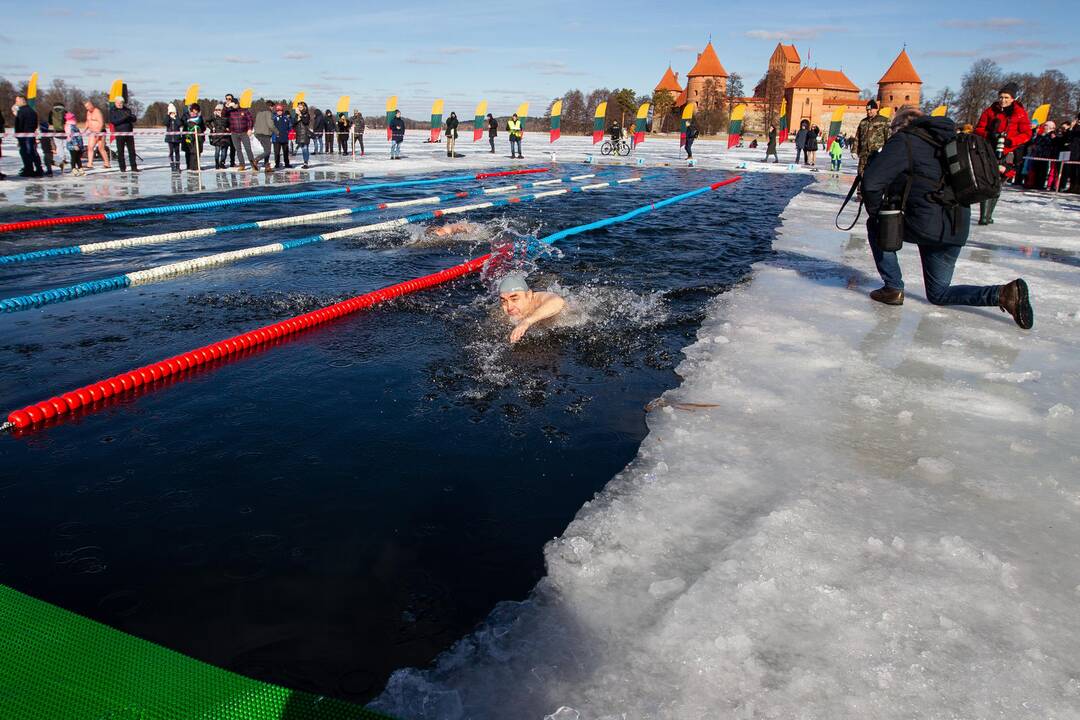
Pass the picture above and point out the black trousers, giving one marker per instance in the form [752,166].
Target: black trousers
[358,139]
[329,143]
[491,139]
[280,148]
[125,144]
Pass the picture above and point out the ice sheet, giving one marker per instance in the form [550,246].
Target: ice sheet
[846,510]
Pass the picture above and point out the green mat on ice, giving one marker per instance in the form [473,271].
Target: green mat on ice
[56,665]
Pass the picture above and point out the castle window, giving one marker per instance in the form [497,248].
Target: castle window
[907,97]
[890,98]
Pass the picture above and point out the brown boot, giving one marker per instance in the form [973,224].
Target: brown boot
[888,295]
[1014,300]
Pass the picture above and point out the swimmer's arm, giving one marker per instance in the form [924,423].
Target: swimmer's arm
[552,306]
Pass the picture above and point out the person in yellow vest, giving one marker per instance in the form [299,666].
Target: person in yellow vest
[513,126]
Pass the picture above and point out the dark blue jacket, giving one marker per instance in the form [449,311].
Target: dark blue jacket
[397,129]
[282,126]
[925,221]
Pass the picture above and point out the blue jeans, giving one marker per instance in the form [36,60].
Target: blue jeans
[28,151]
[395,148]
[515,146]
[317,140]
[938,262]
[221,155]
[305,152]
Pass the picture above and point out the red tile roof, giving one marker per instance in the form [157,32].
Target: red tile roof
[668,82]
[708,65]
[807,78]
[836,80]
[790,53]
[901,71]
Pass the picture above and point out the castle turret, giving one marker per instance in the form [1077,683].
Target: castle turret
[707,68]
[900,85]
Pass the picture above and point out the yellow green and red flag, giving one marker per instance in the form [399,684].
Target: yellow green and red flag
[31,91]
[785,123]
[641,123]
[1039,116]
[598,123]
[343,104]
[940,111]
[734,131]
[556,120]
[834,125]
[478,120]
[436,119]
[192,95]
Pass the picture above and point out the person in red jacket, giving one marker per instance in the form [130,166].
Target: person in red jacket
[1006,126]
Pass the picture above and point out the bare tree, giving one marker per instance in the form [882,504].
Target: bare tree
[663,104]
[978,88]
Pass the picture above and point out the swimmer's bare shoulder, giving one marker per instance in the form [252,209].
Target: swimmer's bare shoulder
[545,305]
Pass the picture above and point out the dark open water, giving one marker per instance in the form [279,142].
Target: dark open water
[353,501]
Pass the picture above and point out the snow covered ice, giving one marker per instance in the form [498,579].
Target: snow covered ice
[846,510]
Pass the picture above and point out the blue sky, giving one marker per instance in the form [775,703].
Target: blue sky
[505,53]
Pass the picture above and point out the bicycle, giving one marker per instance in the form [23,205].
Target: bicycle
[615,147]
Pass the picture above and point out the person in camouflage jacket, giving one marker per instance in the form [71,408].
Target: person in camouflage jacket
[871,136]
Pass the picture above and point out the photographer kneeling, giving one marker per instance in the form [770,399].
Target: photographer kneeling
[902,187]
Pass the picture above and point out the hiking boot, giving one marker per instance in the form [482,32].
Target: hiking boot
[1014,299]
[888,295]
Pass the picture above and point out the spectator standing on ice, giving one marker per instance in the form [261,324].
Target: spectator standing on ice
[240,124]
[302,128]
[397,135]
[220,137]
[280,137]
[56,127]
[3,129]
[264,131]
[194,136]
[73,142]
[871,135]
[95,125]
[358,132]
[173,137]
[493,131]
[123,122]
[770,149]
[1072,142]
[316,131]
[810,147]
[451,134]
[940,231]
[343,126]
[48,148]
[1006,126]
[26,124]
[691,136]
[513,126]
[800,141]
[836,153]
[329,127]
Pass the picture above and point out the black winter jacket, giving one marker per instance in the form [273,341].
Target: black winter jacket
[925,221]
[26,120]
[397,129]
[122,119]
[493,128]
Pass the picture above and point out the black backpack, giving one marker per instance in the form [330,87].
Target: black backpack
[969,169]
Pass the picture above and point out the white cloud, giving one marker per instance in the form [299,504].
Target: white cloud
[950,53]
[994,23]
[809,32]
[239,60]
[457,50]
[1074,60]
[296,55]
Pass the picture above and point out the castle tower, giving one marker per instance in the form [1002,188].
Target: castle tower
[805,96]
[707,68]
[669,84]
[900,85]
[785,59]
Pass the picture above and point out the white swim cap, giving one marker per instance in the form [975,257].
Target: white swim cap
[513,282]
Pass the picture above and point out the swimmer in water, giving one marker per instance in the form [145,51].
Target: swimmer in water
[524,307]
[455,228]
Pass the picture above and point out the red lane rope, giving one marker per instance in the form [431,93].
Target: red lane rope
[504,173]
[91,397]
[46,222]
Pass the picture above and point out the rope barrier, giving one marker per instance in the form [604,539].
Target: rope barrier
[161,272]
[160,238]
[93,396]
[282,197]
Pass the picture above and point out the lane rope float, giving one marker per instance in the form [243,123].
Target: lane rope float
[92,397]
[251,199]
[160,238]
[161,272]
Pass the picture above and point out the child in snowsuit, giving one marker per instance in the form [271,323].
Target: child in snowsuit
[836,151]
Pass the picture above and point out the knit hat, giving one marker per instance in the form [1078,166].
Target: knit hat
[1010,88]
[279,106]
[871,104]
[172,108]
